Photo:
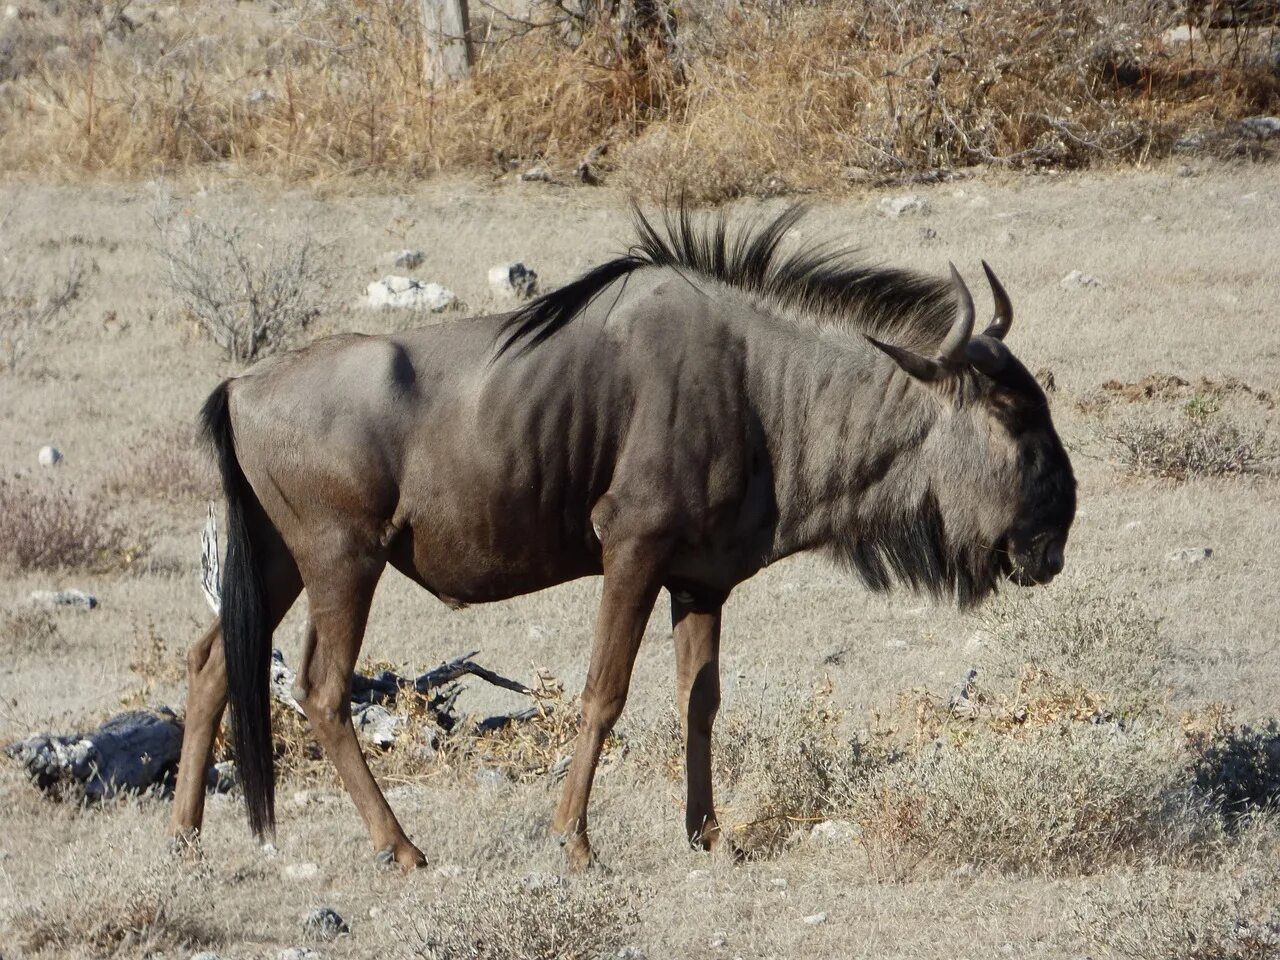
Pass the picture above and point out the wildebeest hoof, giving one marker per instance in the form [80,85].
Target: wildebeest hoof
[405,855]
[579,855]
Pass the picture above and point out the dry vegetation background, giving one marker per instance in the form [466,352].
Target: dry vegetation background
[1105,782]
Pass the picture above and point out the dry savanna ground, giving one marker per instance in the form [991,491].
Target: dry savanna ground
[1103,791]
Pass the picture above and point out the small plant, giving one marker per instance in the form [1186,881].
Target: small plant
[1201,443]
[28,312]
[174,467]
[250,294]
[1239,766]
[50,529]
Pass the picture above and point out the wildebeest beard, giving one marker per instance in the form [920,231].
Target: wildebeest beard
[913,550]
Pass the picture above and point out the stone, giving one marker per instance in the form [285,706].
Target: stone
[1190,555]
[815,919]
[927,234]
[491,777]
[63,598]
[836,832]
[297,953]
[536,175]
[513,281]
[1077,278]
[630,953]
[259,96]
[302,871]
[409,259]
[377,725]
[49,456]
[270,850]
[205,955]
[537,882]
[895,644]
[719,940]
[408,293]
[221,777]
[1183,33]
[778,883]
[324,923]
[895,207]
[1261,127]
[697,876]
[11,12]
[450,871]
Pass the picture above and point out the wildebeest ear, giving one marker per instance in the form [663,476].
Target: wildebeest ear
[919,367]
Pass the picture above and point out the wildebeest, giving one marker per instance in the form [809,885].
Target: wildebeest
[679,417]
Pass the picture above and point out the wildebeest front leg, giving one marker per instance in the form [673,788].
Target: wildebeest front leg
[338,615]
[696,626]
[632,578]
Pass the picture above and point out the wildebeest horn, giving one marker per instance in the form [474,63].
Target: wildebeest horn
[952,349]
[1002,318]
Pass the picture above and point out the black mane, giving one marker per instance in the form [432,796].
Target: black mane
[818,280]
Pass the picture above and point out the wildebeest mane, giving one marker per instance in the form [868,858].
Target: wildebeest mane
[818,281]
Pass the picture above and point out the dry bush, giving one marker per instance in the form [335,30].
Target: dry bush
[251,294]
[1201,443]
[748,97]
[173,467]
[32,630]
[1238,765]
[47,527]
[1067,800]
[1230,913]
[29,311]
[507,920]
[106,906]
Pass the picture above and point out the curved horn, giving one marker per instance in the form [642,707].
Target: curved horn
[952,348]
[1002,319]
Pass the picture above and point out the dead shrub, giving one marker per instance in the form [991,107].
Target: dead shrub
[1238,765]
[29,311]
[1200,443]
[33,630]
[105,907]
[251,294]
[506,920]
[47,527]
[1073,799]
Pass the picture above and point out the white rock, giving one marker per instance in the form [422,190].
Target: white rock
[630,953]
[1133,525]
[815,918]
[63,598]
[408,259]
[895,644]
[377,725]
[1077,278]
[259,96]
[1261,127]
[49,456]
[406,292]
[778,883]
[1183,33]
[536,175]
[298,953]
[895,207]
[205,955]
[11,12]
[270,850]
[697,876]
[302,871]
[1190,555]
[450,871]
[536,882]
[324,923]
[836,832]
[513,281]
[718,940]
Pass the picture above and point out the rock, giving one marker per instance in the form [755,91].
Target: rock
[408,293]
[49,456]
[1133,525]
[718,940]
[814,919]
[927,234]
[492,777]
[297,953]
[450,871]
[513,281]
[302,871]
[895,644]
[409,259]
[259,96]
[536,175]
[836,832]
[377,725]
[11,12]
[1261,127]
[630,953]
[778,883]
[1077,278]
[1190,555]
[697,876]
[1183,33]
[895,207]
[222,777]
[323,923]
[63,598]
[269,850]
[537,882]
[130,752]
[205,955]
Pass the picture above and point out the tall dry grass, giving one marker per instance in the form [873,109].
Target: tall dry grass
[754,97]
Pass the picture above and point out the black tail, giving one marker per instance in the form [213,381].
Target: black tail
[246,628]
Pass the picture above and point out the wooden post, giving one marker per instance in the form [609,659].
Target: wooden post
[446,31]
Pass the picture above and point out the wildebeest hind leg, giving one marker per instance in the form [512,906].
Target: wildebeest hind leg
[207,692]
[339,610]
[632,578]
[696,626]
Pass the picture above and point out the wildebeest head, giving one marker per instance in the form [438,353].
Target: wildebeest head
[1001,479]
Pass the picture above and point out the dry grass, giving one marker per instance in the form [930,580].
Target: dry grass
[1197,444]
[45,526]
[173,467]
[30,311]
[753,98]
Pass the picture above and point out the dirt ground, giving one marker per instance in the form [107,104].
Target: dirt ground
[1189,286]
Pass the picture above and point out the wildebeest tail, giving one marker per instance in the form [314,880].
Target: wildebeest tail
[246,628]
